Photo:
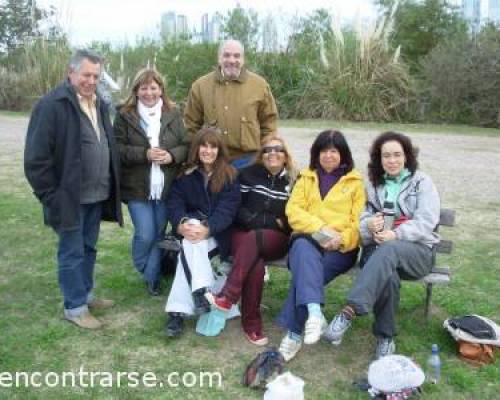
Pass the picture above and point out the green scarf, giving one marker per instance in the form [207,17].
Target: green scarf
[393,187]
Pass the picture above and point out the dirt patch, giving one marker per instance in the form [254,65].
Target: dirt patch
[464,168]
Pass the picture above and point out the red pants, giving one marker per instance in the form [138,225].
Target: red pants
[247,275]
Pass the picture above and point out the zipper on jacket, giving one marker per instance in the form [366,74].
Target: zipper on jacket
[269,200]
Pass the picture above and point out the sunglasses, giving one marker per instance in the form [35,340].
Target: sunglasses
[271,149]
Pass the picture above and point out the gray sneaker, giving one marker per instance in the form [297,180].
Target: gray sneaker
[385,347]
[334,332]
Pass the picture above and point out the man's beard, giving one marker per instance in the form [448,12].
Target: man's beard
[231,72]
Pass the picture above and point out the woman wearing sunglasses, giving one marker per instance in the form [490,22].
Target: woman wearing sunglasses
[260,235]
[323,211]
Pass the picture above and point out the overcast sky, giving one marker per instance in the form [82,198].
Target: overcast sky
[123,21]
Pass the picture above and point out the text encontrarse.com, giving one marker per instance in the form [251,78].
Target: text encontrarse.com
[90,379]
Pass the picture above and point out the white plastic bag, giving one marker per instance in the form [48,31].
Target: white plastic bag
[394,373]
[285,387]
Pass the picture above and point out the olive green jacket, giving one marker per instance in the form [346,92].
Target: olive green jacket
[243,109]
[133,145]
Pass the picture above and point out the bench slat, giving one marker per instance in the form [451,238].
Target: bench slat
[446,270]
[447,217]
[444,246]
[436,279]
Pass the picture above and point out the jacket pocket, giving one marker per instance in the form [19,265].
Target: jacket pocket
[52,210]
[250,134]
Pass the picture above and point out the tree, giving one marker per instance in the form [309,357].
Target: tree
[420,25]
[19,19]
[242,25]
[309,32]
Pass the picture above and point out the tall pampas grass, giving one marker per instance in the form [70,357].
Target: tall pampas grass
[359,75]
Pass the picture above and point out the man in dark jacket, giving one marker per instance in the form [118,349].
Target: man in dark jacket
[70,161]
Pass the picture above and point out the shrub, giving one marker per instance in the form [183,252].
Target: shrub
[32,70]
[461,78]
[13,90]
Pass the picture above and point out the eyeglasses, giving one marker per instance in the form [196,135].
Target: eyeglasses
[271,149]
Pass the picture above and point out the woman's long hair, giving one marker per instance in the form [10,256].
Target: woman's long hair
[289,163]
[146,76]
[375,170]
[326,140]
[223,172]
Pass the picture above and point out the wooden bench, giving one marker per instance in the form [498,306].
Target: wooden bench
[439,275]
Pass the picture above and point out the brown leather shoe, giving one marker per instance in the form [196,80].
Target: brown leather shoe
[86,320]
[101,304]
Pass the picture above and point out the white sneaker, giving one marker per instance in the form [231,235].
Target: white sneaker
[314,328]
[289,348]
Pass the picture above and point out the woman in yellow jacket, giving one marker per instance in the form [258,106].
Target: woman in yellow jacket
[323,211]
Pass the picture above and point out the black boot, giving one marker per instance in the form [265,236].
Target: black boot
[153,288]
[174,325]
[201,304]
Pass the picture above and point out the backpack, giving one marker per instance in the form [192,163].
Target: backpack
[263,368]
[475,336]
[475,353]
[473,328]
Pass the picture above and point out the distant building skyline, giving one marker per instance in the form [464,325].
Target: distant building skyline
[174,25]
[210,28]
[471,12]
[479,12]
[168,25]
[494,11]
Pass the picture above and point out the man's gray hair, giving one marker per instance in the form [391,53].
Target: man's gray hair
[75,62]
[223,44]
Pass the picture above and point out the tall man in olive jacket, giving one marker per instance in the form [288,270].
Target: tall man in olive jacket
[70,161]
[236,101]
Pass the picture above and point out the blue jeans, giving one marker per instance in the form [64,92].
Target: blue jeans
[311,271]
[149,219]
[243,161]
[76,256]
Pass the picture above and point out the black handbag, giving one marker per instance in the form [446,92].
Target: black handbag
[171,246]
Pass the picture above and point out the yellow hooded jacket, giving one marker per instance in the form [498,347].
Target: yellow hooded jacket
[339,210]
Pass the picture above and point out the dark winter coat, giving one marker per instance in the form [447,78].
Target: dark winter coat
[52,158]
[133,145]
[263,200]
[189,198]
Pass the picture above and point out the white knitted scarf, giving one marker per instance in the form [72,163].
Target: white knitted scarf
[151,117]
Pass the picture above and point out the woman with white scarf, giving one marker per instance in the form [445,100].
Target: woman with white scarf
[153,144]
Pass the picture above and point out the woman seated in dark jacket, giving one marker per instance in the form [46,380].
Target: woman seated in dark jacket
[396,247]
[201,207]
[260,235]
[152,144]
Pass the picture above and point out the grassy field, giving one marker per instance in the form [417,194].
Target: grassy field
[34,338]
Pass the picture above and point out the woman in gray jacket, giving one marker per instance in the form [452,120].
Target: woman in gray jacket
[397,231]
[153,144]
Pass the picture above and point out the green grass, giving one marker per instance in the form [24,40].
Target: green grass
[381,127]
[35,338]
[14,113]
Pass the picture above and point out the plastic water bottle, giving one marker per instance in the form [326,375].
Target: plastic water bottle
[434,366]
